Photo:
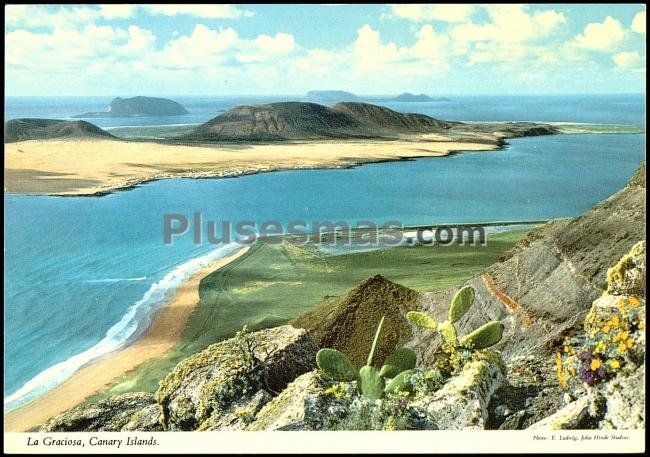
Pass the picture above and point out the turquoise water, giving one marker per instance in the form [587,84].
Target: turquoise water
[84,275]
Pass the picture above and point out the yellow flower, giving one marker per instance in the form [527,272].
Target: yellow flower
[615,364]
[629,342]
[622,348]
[615,321]
[634,302]
[595,364]
[606,328]
[623,336]
[600,347]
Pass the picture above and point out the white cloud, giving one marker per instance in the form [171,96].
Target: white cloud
[201,11]
[35,16]
[638,23]
[139,41]
[445,13]
[510,24]
[266,47]
[203,47]
[117,11]
[630,60]
[601,36]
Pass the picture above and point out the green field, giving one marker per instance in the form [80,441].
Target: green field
[273,283]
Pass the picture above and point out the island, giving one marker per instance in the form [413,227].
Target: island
[409,97]
[244,140]
[139,107]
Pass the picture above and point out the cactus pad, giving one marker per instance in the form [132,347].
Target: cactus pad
[336,365]
[461,303]
[421,320]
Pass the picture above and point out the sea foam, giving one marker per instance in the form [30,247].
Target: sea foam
[132,325]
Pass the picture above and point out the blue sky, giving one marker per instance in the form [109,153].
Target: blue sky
[290,49]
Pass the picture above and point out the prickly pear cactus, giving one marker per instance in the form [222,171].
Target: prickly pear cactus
[401,383]
[401,360]
[336,365]
[371,383]
[461,303]
[485,336]
[448,333]
[421,320]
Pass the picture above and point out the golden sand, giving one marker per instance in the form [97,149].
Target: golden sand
[86,167]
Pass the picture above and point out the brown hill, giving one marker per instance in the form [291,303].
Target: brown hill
[348,323]
[309,121]
[46,129]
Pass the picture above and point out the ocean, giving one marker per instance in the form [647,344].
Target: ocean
[83,276]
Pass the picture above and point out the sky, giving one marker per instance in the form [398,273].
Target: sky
[366,49]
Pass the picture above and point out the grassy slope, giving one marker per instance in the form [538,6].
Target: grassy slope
[274,283]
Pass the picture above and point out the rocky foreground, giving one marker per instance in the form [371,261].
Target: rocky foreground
[571,355]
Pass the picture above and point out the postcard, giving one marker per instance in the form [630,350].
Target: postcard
[342,228]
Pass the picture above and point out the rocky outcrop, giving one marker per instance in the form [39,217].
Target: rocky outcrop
[131,411]
[462,403]
[303,405]
[228,375]
[625,402]
[139,107]
[49,129]
[348,323]
[606,371]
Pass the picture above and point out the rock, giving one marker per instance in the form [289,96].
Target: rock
[305,405]
[110,415]
[625,402]
[148,419]
[462,403]
[243,413]
[502,410]
[627,277]
[223,375]
[573,416]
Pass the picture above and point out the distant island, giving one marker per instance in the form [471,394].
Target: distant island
[409,97]
[139,107]
[332,96]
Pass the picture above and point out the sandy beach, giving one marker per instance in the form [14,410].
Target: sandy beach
[93,167]
[163,334]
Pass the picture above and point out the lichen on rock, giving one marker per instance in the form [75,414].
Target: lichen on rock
[130,411]
[218,379]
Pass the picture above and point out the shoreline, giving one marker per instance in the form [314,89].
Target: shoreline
[163,334]
[97,168]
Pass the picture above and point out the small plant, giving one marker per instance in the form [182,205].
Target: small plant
[371,381]
[615,343]
[459,350]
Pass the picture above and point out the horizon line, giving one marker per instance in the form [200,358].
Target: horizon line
[558,94]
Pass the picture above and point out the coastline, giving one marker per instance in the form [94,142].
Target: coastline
[101,167]
[162,335]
